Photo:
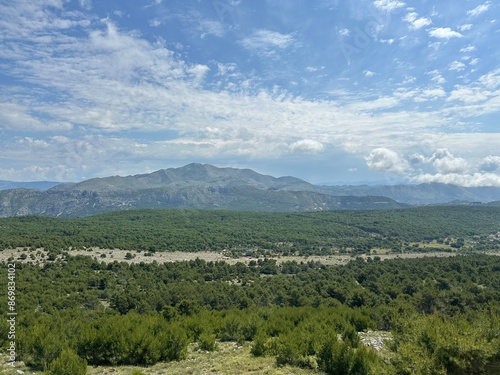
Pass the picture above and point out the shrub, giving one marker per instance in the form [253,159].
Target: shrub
[207,342]
[68,362]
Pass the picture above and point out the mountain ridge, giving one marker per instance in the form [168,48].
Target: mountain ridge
[205,186]
[194,173]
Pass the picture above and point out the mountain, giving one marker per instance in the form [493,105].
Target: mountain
[191,186]
[204,186]
[39,185]
[428,193]
[188,176]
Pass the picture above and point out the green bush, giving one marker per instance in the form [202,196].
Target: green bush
[207,342]
[340,359]
[259,347]
[67,363]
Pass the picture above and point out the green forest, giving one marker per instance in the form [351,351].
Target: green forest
[322,233]
[442,314]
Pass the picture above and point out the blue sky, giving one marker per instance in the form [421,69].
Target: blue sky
[332,91]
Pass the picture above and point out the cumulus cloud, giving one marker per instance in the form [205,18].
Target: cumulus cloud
[444,33]
[445,162]
[467,180]
[444,167]
[307,145]
[384,159]
[416,22]
[490,163]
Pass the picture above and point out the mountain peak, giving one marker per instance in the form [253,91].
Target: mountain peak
[194,174]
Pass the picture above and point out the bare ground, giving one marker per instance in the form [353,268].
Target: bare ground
[39,256]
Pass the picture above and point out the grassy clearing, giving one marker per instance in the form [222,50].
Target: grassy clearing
[229,359]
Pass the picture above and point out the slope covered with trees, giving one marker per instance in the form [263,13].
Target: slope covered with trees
[442,312]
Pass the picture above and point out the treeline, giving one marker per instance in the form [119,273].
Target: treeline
[266,233]
[443,313]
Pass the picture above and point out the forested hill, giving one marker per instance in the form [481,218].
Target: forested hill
[447,228]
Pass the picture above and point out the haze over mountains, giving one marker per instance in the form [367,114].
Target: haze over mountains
[208,187]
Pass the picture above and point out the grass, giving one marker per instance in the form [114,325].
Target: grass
[229,359]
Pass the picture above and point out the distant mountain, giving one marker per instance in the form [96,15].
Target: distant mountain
[188,176]
[38,185]
[429,193]
[192,186]
[208,187]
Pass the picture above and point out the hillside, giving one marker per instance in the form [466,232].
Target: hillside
[193,186]
[197,186]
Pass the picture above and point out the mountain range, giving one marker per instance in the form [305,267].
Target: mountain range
[39,185]
[204,186]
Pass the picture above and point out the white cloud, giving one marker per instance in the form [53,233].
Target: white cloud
[86,4]
[101,78]
[344,32]
[267,41]
[307,145]
[468,49]
[449,169]
[433,93]
[491,80]
[479,9]
[154,22]
[490,163]
[438,78]
[474,61]
[215,28]
[15,116]
[444,33]
[465,27]
[384,159]
[388,5]
[445,162]
[468,95]
[415,22]
[225,69]
[467,180]
[387,41]
[457,66]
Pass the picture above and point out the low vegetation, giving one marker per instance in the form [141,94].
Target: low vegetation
[397,316]
[442,313]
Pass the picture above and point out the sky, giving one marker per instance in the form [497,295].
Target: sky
[331,91]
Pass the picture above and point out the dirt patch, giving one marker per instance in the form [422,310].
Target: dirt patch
[40,256]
